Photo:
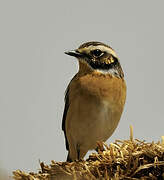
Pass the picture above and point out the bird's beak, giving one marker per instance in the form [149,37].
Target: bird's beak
[74,53]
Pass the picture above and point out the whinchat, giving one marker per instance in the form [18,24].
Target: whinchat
[94,99]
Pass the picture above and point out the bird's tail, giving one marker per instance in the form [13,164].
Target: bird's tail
[68,158]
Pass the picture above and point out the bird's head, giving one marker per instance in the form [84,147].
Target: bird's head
[98,57]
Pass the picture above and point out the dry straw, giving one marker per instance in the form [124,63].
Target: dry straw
[123,159]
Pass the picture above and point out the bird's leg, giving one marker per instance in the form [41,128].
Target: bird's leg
[100,147]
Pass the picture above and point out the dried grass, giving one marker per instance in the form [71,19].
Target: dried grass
[124,159]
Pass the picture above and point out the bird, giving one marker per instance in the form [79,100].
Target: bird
[94,99]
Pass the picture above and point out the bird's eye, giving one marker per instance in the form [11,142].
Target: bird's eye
[97,52]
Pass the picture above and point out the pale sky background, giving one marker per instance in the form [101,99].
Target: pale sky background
[34,71]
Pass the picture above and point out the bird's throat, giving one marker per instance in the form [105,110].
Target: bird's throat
[112,69]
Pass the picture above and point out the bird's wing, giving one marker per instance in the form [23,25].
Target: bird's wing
[65,113]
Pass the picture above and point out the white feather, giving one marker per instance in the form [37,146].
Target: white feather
[101,47]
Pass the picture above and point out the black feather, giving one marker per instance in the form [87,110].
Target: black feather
[65,113]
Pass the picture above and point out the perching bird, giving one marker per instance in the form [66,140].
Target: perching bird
[94,99]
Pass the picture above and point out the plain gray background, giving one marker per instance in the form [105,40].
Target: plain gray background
[34,71]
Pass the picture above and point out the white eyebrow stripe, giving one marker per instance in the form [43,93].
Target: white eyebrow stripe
[102,48]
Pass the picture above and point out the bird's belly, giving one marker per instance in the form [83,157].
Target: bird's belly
[95,110]
[93,122]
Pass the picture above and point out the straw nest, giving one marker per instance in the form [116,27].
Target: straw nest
[127,159]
